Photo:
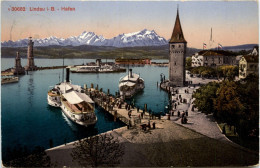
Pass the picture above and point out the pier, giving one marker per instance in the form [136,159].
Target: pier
[127,113]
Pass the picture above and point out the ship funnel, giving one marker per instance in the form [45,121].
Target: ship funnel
[67,74]
[130,73]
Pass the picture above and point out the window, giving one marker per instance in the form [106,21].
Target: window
[173,46]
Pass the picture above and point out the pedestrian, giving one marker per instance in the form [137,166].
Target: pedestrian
[149,125]
[175,105]
[186,112]
[142,115]
[153,125]
[137,109]
[172,113]
[179,113]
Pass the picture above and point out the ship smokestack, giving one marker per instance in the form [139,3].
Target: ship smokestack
[67,74]
[130,73]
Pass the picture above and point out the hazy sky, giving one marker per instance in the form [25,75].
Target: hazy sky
[233,23]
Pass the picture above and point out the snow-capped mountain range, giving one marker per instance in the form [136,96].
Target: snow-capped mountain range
[141,38]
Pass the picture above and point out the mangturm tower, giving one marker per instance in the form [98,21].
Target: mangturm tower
[30,58]
[177,50]
[18,69]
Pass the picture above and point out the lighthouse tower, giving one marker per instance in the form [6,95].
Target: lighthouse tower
[18,69]
[177,53]
[30,58]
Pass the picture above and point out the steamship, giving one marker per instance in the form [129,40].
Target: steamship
[130,84]
[75,104]
[54,94]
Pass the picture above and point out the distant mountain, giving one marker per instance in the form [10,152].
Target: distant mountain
[240,47]
[140,38]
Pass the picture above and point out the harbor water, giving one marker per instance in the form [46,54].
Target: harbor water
[27,119]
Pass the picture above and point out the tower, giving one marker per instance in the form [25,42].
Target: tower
[177,53]
[18,69]
[30,58]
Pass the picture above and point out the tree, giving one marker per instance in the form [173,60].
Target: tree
[204,97]
[21,157]
[188,63]
[229,72]
[228,103]
[249,122]
[99,150]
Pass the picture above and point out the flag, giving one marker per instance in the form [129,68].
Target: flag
[220,46]
[204,45]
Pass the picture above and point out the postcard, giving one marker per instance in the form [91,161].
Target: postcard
[129,83]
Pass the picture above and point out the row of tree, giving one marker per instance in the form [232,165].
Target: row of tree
[234,103]
[226,71]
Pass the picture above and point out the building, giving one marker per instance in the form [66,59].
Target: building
[177,53]
[213,58]
[18,69]
[248,64]
[255,51]
[30,57]
[133,61]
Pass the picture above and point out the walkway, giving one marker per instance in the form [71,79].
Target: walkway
[204,124]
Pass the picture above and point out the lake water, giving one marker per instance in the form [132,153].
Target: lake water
[27,119]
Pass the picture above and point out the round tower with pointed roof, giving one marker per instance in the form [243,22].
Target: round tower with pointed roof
[177,48]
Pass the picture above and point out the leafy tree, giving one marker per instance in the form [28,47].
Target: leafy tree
[21,157]
[228,103]
[249,91]
[229,72]
[204,97]
[99,150]
[188,63]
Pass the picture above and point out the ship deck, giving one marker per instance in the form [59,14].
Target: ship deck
[78,108]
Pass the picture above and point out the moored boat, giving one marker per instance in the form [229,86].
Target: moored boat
[79,108]
[130,84]
[54,94]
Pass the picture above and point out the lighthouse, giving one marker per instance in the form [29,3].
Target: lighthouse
[30,58]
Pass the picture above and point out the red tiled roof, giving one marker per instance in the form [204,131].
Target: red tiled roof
[251,58]
[215,53]
[177,34]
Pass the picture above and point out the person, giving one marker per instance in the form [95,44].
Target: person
[186,112]
[153,125]
[137,109]
[179,113]
[175,105]
[149,125]
[142,115]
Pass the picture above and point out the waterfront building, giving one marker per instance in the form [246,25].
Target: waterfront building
[213,58]
[255,51]
[30,57]
[18,69]
[177,53]
[133,61]
[248,64]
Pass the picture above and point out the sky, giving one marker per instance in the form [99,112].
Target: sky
[233,22]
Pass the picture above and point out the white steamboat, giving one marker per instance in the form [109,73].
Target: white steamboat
[130,84]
